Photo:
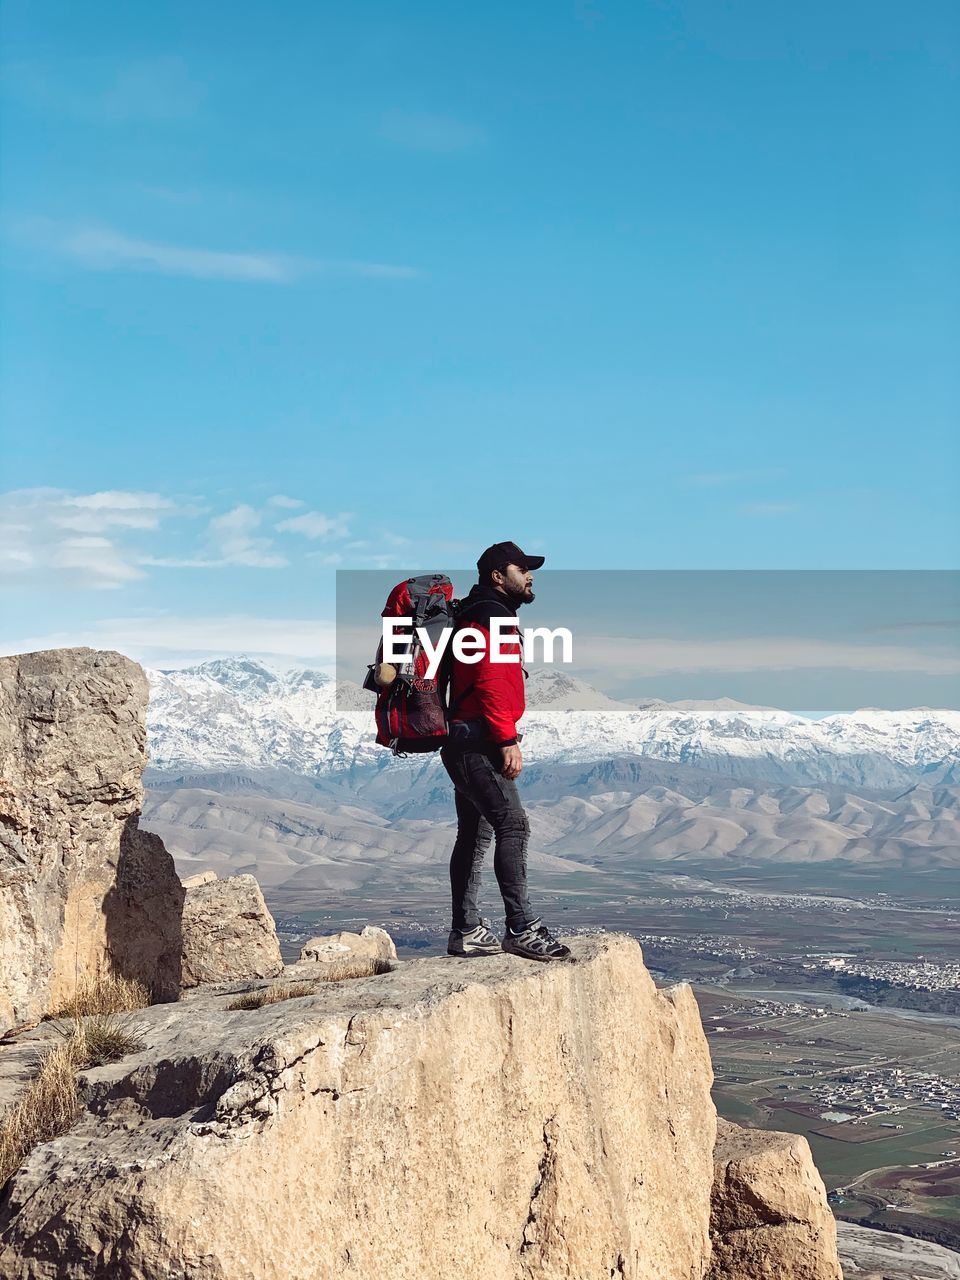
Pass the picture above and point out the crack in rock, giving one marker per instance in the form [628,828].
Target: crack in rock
[545,1175]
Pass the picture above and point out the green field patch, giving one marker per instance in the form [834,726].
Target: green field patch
[850,1133]
[737,1110]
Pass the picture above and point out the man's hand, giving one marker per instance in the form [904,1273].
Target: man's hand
[512,761]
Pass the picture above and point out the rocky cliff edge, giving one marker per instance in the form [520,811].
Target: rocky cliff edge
[481,1117]
[445,1117]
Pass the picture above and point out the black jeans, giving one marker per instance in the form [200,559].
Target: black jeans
[488,805]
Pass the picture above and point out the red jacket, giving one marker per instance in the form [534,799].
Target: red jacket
[491,691]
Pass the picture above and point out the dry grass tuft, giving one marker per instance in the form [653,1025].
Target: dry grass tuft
[273,995]
[352,967]
[51,1102]
[106,993]
[249,1000]
[48,1108]
[336,971]
[108,1038]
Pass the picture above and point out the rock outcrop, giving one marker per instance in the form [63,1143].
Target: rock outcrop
[769,1218]
[449,1117]
[370,944]
[228,932]
[82,890]
[433,1117]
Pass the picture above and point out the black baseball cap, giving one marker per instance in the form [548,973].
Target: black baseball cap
[504,553]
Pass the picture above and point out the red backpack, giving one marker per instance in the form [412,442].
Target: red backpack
[411,711]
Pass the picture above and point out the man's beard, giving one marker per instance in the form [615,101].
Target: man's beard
[523,596]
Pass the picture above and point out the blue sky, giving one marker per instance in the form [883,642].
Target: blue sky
[294,287]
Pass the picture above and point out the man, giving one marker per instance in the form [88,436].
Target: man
[482,757]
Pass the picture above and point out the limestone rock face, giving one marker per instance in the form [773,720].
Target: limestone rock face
[769,1219]
[77,878]
[372,943]
[228,932]
[491,1116]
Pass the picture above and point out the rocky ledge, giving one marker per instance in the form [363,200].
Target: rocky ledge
[489,1116]
[426,1118]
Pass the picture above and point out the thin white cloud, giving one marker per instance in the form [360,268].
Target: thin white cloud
[106,539]
[427,131]
[233,533]
[314,524]
[171,640]
[103,248]
[107,250]
[120,500]
[423,552]
[182,562]
[15,558]
[96,512]
[369,560]
[231,539]
[95,560]
[51,537]
[55,538]
[636,658]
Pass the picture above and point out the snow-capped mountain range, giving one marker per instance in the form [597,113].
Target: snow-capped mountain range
[238,714]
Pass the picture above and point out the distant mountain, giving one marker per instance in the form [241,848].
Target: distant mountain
[376,828]
[234,715]
[550,690]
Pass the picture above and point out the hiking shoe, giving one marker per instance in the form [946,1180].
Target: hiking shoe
[473,942]
[536,942]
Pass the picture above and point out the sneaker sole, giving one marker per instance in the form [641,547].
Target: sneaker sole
[527,955]
[476,951]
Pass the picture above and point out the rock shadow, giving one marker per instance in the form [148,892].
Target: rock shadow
[144,914]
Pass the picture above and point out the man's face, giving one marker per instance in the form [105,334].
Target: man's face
[518,583]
